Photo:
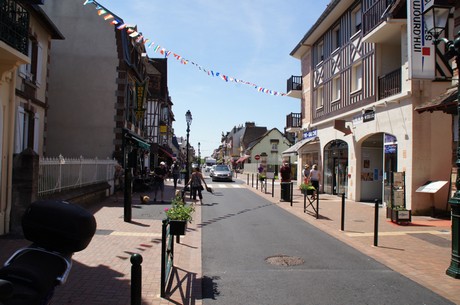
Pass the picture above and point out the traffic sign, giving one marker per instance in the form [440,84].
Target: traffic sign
[257,157]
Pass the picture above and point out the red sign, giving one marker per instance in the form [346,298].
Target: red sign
[257,157]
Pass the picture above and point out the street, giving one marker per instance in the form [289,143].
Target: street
[242,230]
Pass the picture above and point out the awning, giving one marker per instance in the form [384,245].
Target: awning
[167,153]
[294,148]
[242,159]
[134,139]
[446,102]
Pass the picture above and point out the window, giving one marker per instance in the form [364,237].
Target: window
[320,51]
[336,88]
[33,72]
[336,38]
[26,131]
[319,97]
[357,77]
[356,20]
[274,146]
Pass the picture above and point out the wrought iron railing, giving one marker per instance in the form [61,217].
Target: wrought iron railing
[390,84]
[14,25]
[294,120]
[374,15]
[294,83]
[59,174]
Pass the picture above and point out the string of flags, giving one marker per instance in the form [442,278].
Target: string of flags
[139,38]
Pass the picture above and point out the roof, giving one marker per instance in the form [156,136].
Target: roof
[446,102]
[295,148]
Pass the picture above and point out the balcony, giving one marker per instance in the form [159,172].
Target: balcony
[294,87]
[14,26]
[389,84]
[293,122]
[378,27]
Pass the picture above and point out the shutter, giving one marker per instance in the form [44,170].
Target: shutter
[19,132]
[39,64]
[36,132]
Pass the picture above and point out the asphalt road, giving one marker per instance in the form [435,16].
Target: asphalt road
[242,230]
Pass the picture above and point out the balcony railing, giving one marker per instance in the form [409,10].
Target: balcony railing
[294,120]
[14,25]
[374,15]
[294,83]
[390,84]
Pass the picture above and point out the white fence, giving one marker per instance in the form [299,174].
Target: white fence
[59,174]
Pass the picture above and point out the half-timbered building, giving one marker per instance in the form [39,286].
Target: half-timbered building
[366,65]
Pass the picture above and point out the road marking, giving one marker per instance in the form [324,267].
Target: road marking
[398,233]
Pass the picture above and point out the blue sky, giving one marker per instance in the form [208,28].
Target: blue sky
[248,40]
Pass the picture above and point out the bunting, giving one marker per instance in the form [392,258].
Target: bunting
[139,38]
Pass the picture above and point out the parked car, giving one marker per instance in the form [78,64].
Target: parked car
[222,172]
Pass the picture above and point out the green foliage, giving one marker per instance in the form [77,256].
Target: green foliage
[306,187]
[179,210]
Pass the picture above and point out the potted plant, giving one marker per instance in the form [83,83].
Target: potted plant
[262,177]
[400,215]
[307,189]
[178,215]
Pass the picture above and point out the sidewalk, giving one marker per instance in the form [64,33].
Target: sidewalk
[101,274]
[420,251]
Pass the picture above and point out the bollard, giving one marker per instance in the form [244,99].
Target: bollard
[273,187]
[252,180]
[292,192]
[136,279]
[342,225]
[248,180]
[317,205]
[376,222]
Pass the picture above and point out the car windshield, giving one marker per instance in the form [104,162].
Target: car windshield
[221,168]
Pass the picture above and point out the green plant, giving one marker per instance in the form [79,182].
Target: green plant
[399,208]
[306,187]
[262,177]
[179,210]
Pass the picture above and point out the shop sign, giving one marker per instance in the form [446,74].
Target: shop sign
[369,115]
[310,134]
[141,89]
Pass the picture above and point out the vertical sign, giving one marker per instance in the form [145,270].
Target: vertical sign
[421,48]
[141,89]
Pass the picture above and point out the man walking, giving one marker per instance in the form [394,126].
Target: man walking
[159,176]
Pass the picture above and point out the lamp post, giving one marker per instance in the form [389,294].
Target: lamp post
[435,18]
[199,155]
[188,119]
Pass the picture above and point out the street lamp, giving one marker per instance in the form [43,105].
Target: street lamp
[199,155]
[188,119]
[436,17]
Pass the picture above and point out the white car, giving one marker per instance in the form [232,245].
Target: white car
[222,172]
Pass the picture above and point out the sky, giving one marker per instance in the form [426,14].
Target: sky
[249,40]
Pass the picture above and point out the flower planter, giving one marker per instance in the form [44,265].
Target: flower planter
[177,227]
[399,216]
[308,192]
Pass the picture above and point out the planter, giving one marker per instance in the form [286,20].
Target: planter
[177,227]
[399,216]
[308,192]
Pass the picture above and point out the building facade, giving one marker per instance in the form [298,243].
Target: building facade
[26,36]
[361,81]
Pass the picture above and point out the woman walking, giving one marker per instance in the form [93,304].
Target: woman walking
[315,177]
[195,184]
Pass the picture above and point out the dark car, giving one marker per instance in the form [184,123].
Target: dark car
[222,173]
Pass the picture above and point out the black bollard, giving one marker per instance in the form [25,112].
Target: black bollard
[136,279]
[273,187]
[248,180]
[342,224]
[376,222]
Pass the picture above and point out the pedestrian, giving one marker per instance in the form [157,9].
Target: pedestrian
[306,174]
[195,184]
[175,171]
[285,172]
[159,175]
[315,177]
[118,180]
